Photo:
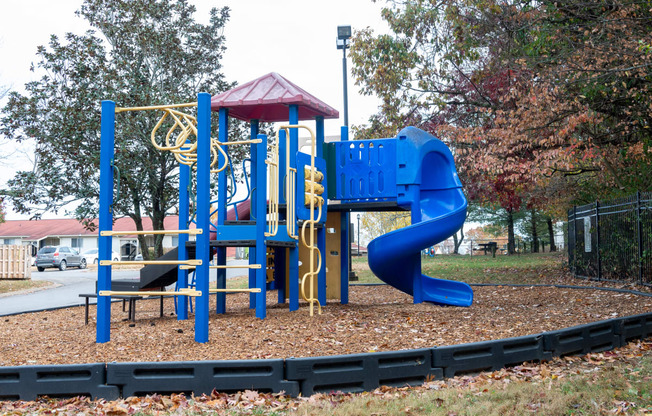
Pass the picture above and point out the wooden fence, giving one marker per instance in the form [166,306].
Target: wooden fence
[15,262]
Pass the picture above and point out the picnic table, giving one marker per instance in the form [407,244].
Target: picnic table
[491,246]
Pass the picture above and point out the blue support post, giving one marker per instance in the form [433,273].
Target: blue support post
[293,143]
[203,213]
[261,225]
[253,178]
[280,261]
[107,145]
[280,254]
[321,232]
[184,213]
[345,245]
[417,284]
[223,136]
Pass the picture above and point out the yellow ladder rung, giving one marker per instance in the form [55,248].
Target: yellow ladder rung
[108,233]
[243,266]
[147,262]
[256,290]
[181,292]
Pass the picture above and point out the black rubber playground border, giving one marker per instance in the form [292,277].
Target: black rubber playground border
[306,376]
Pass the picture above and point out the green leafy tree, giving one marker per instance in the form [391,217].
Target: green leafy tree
[376,224]
[138,52]
[3,92]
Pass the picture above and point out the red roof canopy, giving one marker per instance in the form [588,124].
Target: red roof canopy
[267,99]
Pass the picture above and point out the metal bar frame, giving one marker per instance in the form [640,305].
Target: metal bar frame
[203,214]
[107,145]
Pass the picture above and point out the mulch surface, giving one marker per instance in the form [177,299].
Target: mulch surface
[377,318]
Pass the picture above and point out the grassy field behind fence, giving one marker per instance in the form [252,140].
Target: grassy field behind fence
[527,268]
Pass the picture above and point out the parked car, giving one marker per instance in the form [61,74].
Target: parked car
[59,256]
[91,256]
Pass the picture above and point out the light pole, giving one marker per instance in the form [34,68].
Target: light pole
[343,35]
[358,235]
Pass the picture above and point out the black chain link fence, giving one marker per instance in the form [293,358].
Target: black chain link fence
[612,240]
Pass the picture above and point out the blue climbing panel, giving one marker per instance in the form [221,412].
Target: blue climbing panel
[365,170]
[303,210]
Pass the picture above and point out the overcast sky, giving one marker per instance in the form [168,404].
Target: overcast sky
[296,38]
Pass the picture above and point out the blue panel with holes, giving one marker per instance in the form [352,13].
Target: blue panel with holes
[365,170]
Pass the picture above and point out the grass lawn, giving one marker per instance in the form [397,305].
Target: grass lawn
[526,268]
[11,285]
[613,389]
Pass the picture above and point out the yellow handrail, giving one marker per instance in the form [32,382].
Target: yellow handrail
[109,233]
[274,215]
[291,202]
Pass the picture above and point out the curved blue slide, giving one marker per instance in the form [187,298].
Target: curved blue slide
[428,185]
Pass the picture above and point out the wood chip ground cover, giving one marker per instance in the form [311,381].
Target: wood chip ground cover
[377,318]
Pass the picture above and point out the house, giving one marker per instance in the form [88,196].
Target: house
[358,250]
[70,232]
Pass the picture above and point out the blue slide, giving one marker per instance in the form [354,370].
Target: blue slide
[427,184]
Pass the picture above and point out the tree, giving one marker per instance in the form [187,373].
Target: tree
[376,224]
[3,92]
[138,53]
[457,241]
[526,92]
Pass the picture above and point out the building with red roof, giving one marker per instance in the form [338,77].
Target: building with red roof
[70,232]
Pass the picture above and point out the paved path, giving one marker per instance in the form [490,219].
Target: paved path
[71,283]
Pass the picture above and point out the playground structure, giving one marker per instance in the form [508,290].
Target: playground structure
[298,204]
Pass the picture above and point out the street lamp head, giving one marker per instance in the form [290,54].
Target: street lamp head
[343,35]
[358,216]
[344,32]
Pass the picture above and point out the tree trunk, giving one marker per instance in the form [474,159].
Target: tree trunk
[535,236]
[510,233]
[458,241]
[551,235]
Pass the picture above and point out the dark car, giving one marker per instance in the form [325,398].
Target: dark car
[59,256]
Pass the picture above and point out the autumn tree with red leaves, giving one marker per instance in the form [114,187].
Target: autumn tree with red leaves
[544,104]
